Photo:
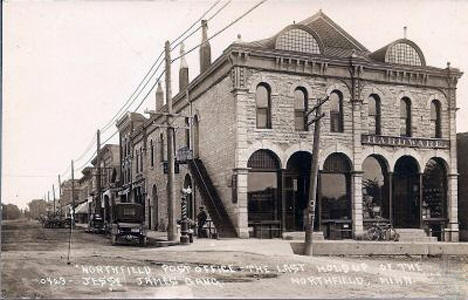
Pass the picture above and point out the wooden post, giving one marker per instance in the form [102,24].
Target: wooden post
[313,178]
[172,229]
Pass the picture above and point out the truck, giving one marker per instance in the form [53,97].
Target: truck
[128,224]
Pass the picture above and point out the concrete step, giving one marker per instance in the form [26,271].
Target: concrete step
[414,235]
[300,235]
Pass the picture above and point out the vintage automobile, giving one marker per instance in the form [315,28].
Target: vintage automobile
[95,224]
[128,224]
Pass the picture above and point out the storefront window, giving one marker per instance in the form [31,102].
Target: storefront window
[335,188]
[374,189]
[262,186]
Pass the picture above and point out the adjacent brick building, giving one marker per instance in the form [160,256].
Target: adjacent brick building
[388,146]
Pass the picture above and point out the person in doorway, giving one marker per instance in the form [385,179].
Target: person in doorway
[201,218]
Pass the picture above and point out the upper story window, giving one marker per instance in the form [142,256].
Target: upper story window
[403,53]
[141,160]
[300,107]
[405,117]
[152,153]
[336,111]
[263,102]
[436,119]
[137,165]
[187,132]
[161,147]
[374,114]
[297,40]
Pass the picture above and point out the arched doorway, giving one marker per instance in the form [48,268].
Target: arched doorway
[434,204]
[335,196]
[155,208]
[406,193]
[263,189]
[190,202]
[296,191]
[375,188]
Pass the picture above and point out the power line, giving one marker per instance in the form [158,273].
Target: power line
[141,87]
[223,29]
[197,22]
[128,102]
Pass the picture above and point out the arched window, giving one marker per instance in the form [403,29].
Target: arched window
[196,136]
[336,112]
[141,160]
[402,53]
[335,188]
[152,153]
[300,107]
[374,115]
[436,118]
[187,132]
[161,147]
[405,117]
[297,40]
[137,162]
[263,101]
[262,187]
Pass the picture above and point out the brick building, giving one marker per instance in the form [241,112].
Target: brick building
[388,146]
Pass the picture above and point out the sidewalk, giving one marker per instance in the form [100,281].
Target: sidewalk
[268,247]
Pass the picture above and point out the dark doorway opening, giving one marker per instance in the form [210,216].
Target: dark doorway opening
[406,193]
[296,191]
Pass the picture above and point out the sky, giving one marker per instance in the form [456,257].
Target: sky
[68,66]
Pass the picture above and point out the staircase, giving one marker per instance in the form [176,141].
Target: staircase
[414,235]
[211,199]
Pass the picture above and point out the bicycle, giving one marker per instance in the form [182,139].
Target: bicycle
[382,231]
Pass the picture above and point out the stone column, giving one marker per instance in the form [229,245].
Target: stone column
[452,230]
[390,197]
[356,194]
[241,98]
[242,209]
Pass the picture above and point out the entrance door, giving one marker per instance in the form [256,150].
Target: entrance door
[296,190]
[406,191]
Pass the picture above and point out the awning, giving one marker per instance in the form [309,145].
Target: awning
[83,208]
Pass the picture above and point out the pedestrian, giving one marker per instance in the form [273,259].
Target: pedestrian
[201,218]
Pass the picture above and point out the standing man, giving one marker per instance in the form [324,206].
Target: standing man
[201,218]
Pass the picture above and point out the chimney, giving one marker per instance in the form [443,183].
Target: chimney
[159,97]
[205,49]
[184,70]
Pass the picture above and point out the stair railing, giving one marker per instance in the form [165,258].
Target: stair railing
[208,192]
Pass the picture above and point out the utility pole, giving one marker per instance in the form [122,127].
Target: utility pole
[97,207]
[313,174]
[48,202]
[53,196]
[172,229]
[73,194]
[60,195]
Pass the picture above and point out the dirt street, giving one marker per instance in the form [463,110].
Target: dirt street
[34,265]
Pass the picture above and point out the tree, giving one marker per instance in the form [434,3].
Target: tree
[37,208]
[10,212]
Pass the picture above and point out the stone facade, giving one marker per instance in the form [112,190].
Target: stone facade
[223,133]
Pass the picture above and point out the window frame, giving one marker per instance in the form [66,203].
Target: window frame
[339,115]
[301,112]
[266,110]
[407,118]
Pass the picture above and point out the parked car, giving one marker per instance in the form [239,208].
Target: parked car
[128,224]
[95,224]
